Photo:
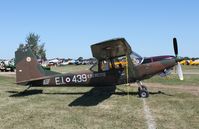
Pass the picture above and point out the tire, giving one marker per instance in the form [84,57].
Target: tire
[143,93]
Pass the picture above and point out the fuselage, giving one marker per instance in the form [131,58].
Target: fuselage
[106,78]
[156,58]
[83,78]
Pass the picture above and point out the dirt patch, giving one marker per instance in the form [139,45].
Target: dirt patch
[188,72]
[148,116]
[184,88]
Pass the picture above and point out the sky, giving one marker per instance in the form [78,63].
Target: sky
[69,27]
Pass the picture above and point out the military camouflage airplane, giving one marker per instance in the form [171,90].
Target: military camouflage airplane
[106,72]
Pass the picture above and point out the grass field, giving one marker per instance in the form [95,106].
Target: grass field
[173,104]
[70,68]
[188,68]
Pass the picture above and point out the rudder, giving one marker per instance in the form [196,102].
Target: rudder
[27,67]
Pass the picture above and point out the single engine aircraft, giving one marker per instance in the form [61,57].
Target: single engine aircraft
[106,72]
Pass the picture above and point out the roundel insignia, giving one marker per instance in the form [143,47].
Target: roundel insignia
[28,59]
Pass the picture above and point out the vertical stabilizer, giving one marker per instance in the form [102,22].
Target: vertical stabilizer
[27,67]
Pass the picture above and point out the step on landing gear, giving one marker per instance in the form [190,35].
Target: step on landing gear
[142,90]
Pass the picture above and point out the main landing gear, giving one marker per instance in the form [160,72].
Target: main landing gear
[29,86]
[142,90]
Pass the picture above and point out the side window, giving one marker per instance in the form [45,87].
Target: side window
[105,65]
[120,62]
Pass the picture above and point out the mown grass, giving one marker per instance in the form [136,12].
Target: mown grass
[173,79]
[190,68]
[69,108]
[175,109]
[70,68]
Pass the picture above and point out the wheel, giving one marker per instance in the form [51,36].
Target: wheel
[143,93]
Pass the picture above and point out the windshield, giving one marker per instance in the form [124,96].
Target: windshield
[136,55]
[137,59]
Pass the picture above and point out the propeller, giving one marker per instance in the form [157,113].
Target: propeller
[179,68]
[175,46]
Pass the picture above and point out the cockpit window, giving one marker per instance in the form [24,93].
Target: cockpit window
[116,63]
[137,59]
[135,55]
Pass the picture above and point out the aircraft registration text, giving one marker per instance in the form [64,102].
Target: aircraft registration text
[79,78]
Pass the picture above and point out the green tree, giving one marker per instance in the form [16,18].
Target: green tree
[21,46]
[32,42]
[42,52]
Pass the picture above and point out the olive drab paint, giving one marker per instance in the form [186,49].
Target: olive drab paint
[29,72]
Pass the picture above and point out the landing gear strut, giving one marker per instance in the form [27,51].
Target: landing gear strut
[142,90]
[29,86]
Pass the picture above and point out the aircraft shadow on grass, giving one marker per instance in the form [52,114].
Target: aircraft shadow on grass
[91,98]
[24,93]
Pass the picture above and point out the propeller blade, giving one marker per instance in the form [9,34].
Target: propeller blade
[175,46]
[179,70]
